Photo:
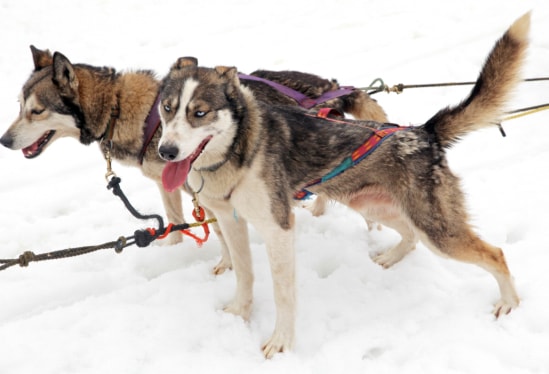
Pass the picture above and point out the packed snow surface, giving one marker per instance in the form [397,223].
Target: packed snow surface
[159,309]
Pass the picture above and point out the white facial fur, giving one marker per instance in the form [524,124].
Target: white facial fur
[179,132]
[29,126]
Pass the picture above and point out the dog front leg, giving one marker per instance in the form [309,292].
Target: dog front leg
[280,249]
[238,244]
[225,262]
[174,212]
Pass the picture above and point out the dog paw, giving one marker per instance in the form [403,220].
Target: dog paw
[317,207]
[172,239]
[385,259]
[278,343]
[243,310]
[393,255]
[503,307]
[222,266]
[317,211]
[372,224]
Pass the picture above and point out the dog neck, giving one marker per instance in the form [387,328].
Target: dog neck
[111,124]
[95,102]
[246,139]
[239,154]
[131,97]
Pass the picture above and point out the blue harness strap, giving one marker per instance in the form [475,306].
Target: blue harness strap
[359,154]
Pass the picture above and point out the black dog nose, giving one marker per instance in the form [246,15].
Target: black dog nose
[6,141]
[168,152]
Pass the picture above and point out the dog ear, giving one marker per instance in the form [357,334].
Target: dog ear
[229,72]
[64,76]
[230,75]
[41,58]
[185,62]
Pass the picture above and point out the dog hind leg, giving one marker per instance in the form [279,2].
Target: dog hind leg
[376,206]
[406,245]
[449,237]
[441,224]
[468,247]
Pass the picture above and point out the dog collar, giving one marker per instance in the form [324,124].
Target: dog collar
[115,113]
[213,167]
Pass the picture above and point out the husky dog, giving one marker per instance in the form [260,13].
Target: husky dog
[98,104]
[248,157]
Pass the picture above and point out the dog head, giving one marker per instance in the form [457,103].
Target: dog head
[48,106]
[199,110]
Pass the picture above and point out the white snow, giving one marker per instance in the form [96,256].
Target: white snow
[159,309]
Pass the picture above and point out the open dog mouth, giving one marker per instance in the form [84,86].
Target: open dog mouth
[175,173]
[37,147]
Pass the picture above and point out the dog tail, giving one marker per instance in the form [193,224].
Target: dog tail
[484,105]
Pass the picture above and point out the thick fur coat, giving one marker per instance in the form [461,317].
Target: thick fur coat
[249,157]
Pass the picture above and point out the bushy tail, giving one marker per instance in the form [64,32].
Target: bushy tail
[485,104]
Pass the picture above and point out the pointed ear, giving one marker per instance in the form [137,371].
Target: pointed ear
[64,76]
[185,62]
[229,72]
[230,75]
[41,58]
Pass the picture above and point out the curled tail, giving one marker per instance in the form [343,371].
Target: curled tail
[485,104]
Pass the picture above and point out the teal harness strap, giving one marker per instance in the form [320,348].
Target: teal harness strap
[358,155]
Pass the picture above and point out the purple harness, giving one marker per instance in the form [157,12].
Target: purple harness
[152,123]
[303,100]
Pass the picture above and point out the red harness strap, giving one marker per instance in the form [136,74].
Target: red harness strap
[329,113]
[359,154]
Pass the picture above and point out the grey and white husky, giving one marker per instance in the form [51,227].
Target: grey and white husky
[247,156]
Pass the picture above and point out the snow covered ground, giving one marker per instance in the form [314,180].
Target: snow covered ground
[158,309]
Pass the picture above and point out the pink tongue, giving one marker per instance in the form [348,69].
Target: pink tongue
[175,174]
[30,149]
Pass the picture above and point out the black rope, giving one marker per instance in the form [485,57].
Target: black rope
[27,257]
[141,238]
[114,184]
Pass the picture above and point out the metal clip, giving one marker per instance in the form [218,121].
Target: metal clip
[110,174]
[198,212]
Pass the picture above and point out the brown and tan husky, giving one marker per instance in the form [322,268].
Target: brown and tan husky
[254,158]
[94,104]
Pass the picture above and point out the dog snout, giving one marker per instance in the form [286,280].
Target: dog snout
[6,140]
[168,152]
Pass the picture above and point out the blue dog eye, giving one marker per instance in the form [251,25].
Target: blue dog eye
[167,108]
[199,113]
